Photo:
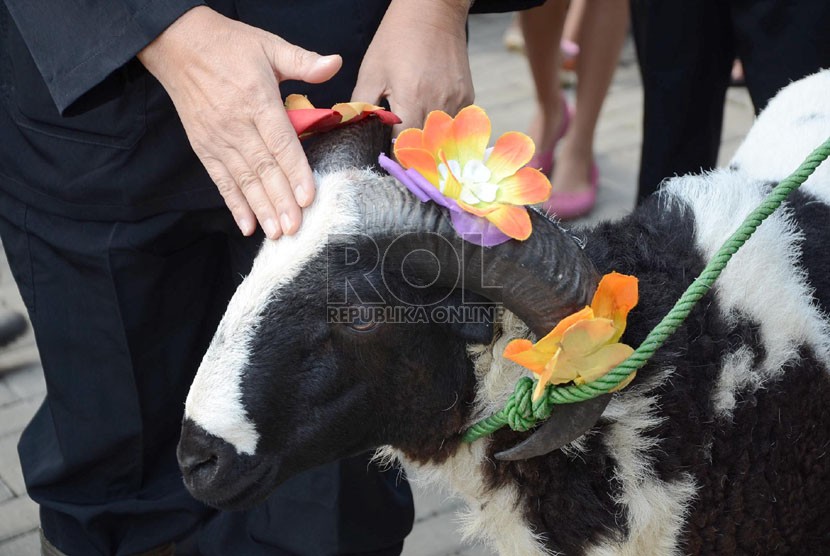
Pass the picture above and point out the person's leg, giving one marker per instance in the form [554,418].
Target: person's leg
[780,42]
[348,507]
[122,314]
[685,50]
[572,34]
[542,29]
[604,28]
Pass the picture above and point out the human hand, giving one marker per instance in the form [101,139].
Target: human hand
[223,77]
[418,60]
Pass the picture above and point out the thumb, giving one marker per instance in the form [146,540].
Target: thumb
[292,62]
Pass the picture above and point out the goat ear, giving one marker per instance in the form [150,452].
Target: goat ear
[476,326]
[567,423]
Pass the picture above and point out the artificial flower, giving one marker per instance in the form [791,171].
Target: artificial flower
[308,120]
[584,346]
[491,184]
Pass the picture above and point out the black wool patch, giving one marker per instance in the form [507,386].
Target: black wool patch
[763,479]
[813,219]
[766,486]
[573,497]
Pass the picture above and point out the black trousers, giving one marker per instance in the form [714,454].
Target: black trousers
[686,48]
[122,313]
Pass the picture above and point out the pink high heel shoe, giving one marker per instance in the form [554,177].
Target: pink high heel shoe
[566,205]
[543,161]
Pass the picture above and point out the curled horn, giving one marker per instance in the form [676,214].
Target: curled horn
[541,280]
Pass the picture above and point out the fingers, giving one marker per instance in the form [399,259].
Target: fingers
[399,63]
[293,62]
[279,203]
[234,199]
[270,169]
[250,186]
[282,143]
[367,89]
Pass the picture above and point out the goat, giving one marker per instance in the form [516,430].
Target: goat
[719,446]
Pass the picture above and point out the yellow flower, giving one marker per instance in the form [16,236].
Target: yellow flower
[584,346]
[452,155]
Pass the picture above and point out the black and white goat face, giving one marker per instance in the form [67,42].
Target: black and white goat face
[317,358]
[297,375]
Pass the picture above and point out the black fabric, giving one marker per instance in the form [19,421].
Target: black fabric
[485,6]
[83,123]
[119,152]
[75,48]
[686,49]
[106,302]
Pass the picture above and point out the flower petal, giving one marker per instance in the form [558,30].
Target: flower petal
[512,220]
[561,369]
[551,341]
[419,160]
[475,172]
[525,354]
[616,295]
[525,187]
[351,109]
[452,187]
[471,131]
[295,102]
[512,151]
[599,363]
[557,371]
[467,197]
[432,191]
[411,138]
[477,211]
[309,120]
[486,191]
[587,336]
[386,117]
[347,110]
[438,134]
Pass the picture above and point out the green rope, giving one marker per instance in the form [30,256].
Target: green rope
[522,414]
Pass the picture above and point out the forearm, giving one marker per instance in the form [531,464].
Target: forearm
[444,15]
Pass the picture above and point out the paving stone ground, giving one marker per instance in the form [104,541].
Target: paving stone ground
[503,88]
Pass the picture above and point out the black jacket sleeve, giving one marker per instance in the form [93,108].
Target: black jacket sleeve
[75,47]
[484,6]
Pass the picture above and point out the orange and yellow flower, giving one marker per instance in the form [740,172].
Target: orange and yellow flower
[584,346]
[308,120]
[452,154]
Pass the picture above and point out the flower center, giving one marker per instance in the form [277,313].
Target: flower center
[474,179]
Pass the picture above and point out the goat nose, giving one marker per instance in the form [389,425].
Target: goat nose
[198,452]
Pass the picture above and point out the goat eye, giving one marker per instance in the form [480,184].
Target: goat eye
[363,325]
